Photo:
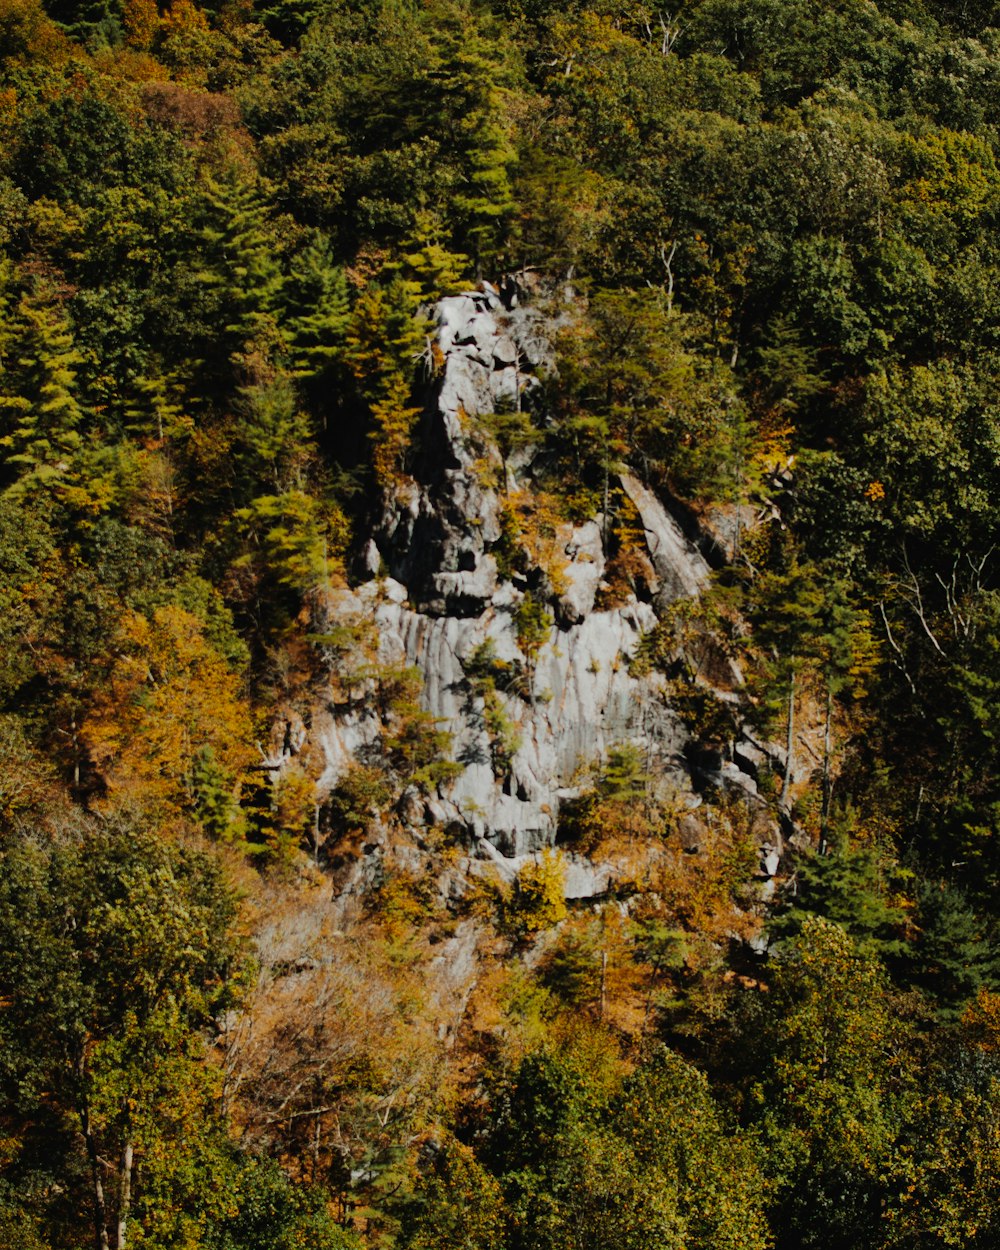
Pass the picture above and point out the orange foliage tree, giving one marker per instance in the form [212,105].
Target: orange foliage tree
[169,698]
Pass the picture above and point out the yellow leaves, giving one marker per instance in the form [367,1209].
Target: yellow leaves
[535,533]
[141,20]
[183,16]
[168,697]
[955,177]
[27,34]
[538,901]
[981,1022]
[394,422]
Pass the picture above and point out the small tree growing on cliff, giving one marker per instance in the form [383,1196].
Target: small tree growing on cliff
[534,624]
[386,337]
[539,901]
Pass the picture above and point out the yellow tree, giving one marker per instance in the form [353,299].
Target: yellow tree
[170,699]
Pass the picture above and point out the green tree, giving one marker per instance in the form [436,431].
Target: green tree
[240,276]
[275,443]
[456,1204]
[944,1176]
[827,1098]
[847,886]
[954,954]
[120,952]
[633,388]
[317,310]
[683,1145]
[429,262]
[386,339]
[39,406]
[294,540]
[806,623]
[468,84]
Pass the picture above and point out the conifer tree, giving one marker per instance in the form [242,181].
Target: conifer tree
[470,81]
[428,261]
[954,955]
[387,338]
[240,271]
[804,621]
[849,887]
[275,438]
[39,406]
[317,310]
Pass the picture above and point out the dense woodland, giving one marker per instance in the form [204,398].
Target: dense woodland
[221,228]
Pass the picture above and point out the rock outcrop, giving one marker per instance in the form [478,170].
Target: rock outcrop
[439,603]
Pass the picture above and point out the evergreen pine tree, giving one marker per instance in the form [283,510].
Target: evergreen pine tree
[275,438]
[212,794]
[848,887]
[39,407]
[387,338]
[317,310]
[953,956]
[240,267]
[469,83]
[429,262]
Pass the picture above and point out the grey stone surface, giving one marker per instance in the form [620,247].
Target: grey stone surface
[444,599]
[682,569]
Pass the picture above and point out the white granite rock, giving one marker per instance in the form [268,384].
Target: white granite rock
[576,698]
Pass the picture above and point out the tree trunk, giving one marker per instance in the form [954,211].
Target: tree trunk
[100,1206]
[125,1205]
[786,784]
[824,820]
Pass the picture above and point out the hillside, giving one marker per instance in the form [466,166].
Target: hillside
[499,625]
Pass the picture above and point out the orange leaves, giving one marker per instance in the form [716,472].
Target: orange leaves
[141,20]
[981,1022]
[169,696]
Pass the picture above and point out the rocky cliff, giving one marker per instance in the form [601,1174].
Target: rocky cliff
[530,711]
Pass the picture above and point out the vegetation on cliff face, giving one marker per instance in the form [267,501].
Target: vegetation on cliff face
[221,228]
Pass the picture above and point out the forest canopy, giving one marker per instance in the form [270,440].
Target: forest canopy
[766,233]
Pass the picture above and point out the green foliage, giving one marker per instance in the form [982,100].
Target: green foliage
[692,1153]
[826,1099]
[764,232]
[213,804]
[416,747]
[428,262]
[533,623]
[622,776]
[360,794]
[584,1158]
[41,413]
[266,1211]
[632,383]
[120,953]
[456,1205]
[317,310]
[571,970]
[849,887]
[291,537]
[954,955]
[488,678]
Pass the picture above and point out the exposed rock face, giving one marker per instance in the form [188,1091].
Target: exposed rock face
[680,567]
[444,600]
